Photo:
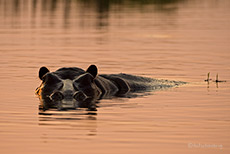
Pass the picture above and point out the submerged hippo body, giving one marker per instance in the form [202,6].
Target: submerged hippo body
[73,87]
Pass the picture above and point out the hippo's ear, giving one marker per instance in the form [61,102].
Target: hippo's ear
[92,69]
[43,70]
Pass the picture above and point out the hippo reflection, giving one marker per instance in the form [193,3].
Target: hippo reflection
[73,87]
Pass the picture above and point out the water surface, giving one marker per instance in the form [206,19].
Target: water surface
[173,39]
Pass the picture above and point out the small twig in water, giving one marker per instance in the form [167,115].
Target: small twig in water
[217,80]
[207,80]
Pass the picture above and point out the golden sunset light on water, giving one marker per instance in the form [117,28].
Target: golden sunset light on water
[174,40]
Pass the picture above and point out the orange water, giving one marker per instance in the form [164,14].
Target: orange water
[178,40]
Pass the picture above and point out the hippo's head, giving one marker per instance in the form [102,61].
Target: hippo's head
[79,90]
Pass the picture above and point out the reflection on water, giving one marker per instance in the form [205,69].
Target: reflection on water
[75,9]
[171,39]
[84,123]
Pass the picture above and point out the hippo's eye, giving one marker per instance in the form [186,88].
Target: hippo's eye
[78,85]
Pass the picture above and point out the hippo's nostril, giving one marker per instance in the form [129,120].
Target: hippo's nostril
[57,96]
[79,96]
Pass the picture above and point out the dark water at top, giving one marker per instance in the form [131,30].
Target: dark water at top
[168,39]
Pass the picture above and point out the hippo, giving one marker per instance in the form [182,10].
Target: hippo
[73,87]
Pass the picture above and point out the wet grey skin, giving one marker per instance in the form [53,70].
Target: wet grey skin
[72,87]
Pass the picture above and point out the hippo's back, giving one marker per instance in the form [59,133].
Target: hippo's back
[140,83]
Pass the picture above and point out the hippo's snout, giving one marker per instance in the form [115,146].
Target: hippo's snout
[67,99]
[63,100]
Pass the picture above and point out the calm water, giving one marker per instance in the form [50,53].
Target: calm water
[169,39]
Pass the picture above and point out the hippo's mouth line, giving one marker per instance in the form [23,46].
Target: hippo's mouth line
[68,101]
